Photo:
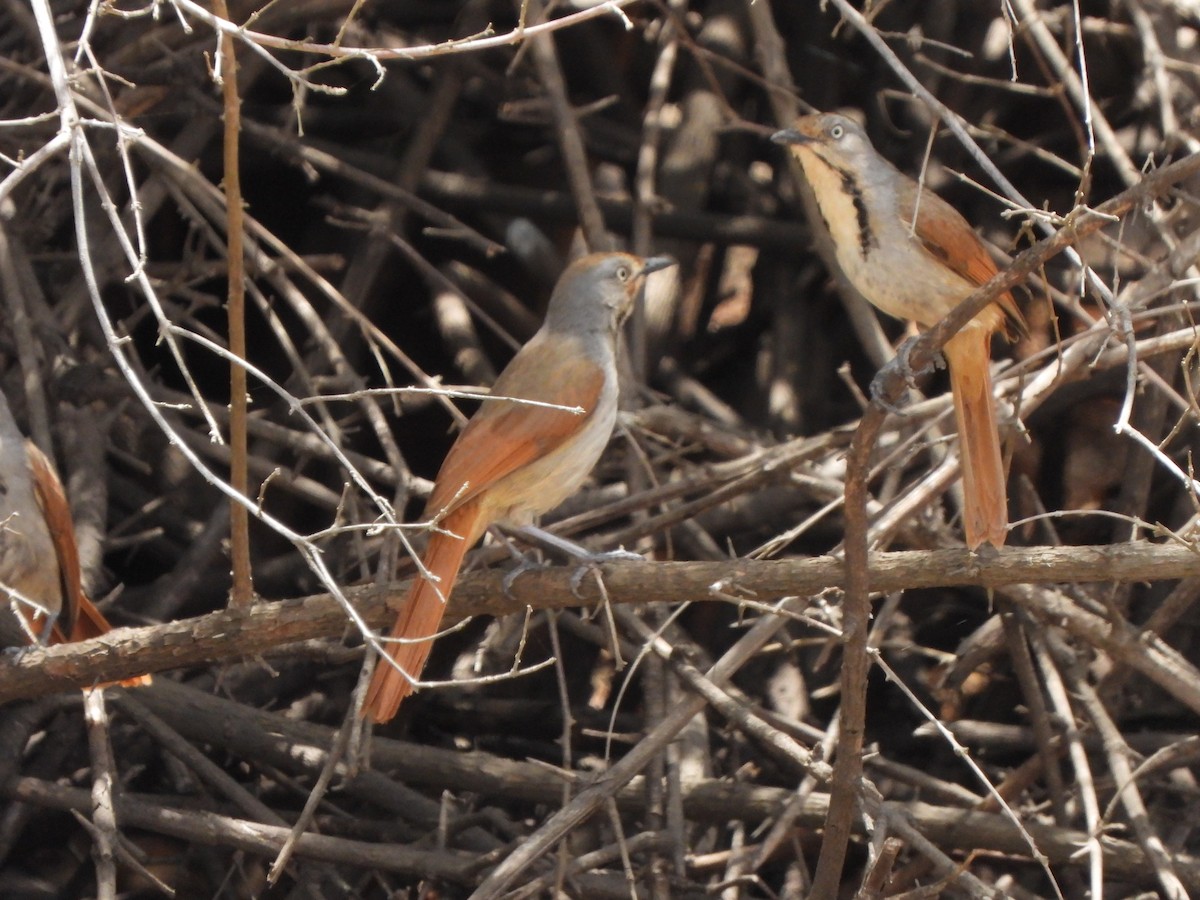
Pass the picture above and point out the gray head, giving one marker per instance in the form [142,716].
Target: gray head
[839,142]
[597,292]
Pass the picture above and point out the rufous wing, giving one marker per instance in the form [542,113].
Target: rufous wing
[947,236]
[504,436]
[79,619]
[56,511]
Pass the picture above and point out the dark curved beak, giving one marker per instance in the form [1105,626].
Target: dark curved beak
[657,263]
[790,136]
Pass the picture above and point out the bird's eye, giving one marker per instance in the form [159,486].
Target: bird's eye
[836,132]
[623,273]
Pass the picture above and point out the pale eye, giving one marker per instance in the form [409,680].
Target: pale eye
[623,273]
[836,132]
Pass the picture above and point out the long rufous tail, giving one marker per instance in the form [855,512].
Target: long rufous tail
[422,613]
[985,507]
[90,623]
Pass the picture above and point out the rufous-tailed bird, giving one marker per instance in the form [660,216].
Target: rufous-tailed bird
[920,272]
[514,461]
[40,574]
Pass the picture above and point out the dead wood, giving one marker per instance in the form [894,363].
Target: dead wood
[808,674]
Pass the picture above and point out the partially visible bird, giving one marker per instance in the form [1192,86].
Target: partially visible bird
[40,576]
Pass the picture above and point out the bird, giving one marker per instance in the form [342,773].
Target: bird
[40,573]
[514,461]
[919,272]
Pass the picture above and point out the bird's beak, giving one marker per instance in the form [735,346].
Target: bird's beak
[790,136]
[657,263]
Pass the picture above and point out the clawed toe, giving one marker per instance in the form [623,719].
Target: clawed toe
[586,560]
[593,561]
[527,564]
[617,556]
[13,654]
[901,363]
[879,390]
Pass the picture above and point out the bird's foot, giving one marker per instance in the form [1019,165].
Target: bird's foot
[526,562]
[900,365]
[37,641]
[591,562]
[586,560]
[13,654]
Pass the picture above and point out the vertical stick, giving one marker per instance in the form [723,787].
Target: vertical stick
[239,518]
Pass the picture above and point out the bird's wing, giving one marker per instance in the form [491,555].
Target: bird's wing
[504,436]
[48,491]
[936,219]
[79,619]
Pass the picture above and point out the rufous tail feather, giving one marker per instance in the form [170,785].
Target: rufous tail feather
[985,506]
[421,615]
[90,623]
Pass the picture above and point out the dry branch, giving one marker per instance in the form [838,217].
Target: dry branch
[414,177]
[227,635]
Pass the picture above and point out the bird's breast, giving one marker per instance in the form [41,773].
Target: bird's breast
[844,210]
[879,255]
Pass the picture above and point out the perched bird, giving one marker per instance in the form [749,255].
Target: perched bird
[514,461]
[39,560]
[915,271]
